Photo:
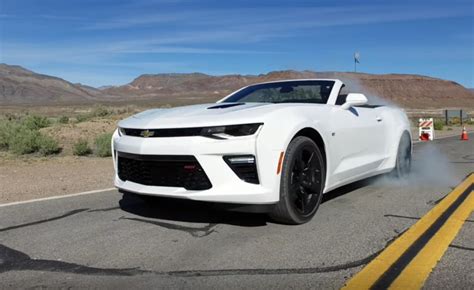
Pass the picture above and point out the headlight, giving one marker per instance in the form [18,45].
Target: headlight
[221,132]
[121,131]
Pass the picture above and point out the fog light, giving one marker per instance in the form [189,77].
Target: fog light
[244,166]
[241,159]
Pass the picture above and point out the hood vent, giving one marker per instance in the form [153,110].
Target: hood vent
[225,105]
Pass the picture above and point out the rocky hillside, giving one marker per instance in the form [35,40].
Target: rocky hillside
[21,86]
[411,91]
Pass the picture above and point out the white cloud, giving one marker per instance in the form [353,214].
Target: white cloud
[286,17]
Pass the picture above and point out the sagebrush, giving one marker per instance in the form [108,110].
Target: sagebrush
[22,136]
[103,145]
[81,148]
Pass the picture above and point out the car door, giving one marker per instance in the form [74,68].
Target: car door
[357,142]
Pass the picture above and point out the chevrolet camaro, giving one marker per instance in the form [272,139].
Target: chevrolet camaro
[280,145]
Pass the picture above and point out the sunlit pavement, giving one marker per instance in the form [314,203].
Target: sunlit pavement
[106,240]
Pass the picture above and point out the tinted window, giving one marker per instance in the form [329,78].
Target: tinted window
[316,92]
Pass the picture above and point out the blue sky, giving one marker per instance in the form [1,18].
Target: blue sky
[110,42]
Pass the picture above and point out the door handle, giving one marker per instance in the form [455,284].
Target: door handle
[379,119]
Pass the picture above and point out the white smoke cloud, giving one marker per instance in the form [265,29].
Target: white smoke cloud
[431,166]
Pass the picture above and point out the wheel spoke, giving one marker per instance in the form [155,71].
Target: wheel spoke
[300,162]
[308,165]
[302,190]
[294,187]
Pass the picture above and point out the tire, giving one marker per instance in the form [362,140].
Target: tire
[404,159]
[302,183]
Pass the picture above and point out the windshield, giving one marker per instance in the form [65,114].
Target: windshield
[315,92]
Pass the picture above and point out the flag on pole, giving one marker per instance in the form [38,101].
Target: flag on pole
[357,57]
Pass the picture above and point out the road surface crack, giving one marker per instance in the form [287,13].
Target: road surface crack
[104,209]
[461,247]
[70,213]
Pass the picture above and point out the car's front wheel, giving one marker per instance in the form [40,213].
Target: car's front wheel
[302,182]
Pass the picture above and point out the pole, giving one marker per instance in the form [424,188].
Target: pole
[355,65]
[460,116]
[446,117]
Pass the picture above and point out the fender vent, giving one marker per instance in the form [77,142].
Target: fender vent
[224,106]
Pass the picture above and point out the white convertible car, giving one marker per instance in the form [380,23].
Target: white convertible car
[278,144]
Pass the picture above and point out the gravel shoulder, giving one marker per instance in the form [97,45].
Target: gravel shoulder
[30,178]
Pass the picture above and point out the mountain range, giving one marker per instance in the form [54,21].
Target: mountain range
[19,86]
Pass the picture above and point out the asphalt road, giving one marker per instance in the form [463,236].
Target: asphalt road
[106,240]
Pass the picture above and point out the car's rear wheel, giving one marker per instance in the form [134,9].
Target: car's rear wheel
[404,159]
[302,182]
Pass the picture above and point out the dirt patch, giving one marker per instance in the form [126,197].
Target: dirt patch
[68,135]
[29,178]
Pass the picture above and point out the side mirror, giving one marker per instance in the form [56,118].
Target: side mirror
[354,100]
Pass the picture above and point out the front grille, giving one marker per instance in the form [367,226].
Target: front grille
[163,170]
[234,130]
[163,133]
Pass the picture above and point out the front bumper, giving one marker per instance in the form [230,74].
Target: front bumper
[227,187]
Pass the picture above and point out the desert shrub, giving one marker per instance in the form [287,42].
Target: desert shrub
[47,145]
[82,118]
[438,124]
[81,148]
[33,122]
[126,110]
[450,129]
[7,129]
[455,121]
[24,140]
[100,111]
[13,116]
[63,120]
[102,145]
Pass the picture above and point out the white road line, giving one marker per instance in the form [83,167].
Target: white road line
[58,196]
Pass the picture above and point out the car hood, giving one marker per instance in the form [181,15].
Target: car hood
[213,114]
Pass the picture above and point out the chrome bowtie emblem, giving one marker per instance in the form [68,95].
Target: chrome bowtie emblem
[147,133]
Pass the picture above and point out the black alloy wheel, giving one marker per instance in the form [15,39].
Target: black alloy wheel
[302,182]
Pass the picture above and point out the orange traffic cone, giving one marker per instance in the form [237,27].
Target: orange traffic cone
[464,135]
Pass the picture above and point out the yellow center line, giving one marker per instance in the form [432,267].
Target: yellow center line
[416,272]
